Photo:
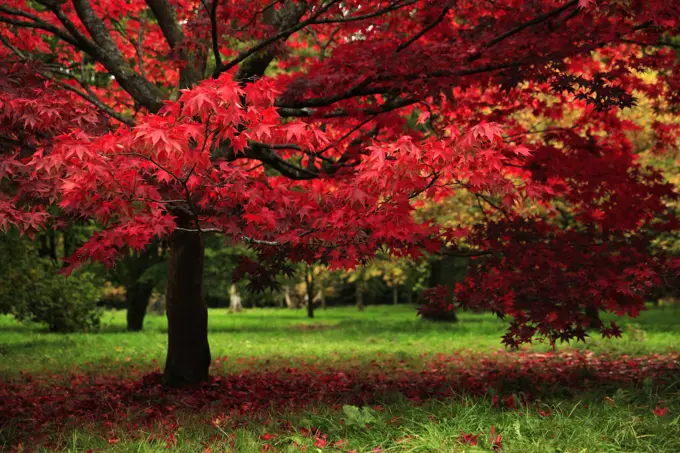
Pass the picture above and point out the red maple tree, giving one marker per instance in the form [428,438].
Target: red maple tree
[311,129]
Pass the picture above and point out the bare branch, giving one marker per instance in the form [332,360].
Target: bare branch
[435,178]
[203,230]
[92,98]
[214,33]
[393,7]
[534,21]
[422,32]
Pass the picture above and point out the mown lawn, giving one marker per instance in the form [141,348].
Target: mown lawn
[381,380]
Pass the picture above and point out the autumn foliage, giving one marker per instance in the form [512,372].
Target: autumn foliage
[312,131]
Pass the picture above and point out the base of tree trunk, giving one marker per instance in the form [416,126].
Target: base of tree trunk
[188,358]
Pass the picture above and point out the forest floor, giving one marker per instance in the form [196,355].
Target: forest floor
[381,380]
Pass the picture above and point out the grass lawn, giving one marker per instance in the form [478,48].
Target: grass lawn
[381,380]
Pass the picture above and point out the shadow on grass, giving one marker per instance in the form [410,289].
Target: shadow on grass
[28,346]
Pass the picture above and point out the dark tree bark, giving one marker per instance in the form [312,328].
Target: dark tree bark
[593,315]
[137,299]
[188,358]
[48,245]
[138,291]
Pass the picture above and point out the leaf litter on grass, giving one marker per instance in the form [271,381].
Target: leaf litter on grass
[43,410]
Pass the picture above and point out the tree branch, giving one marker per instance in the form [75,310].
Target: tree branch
[284,34]
[422,32]
[534,21]
[214,34]
[341,20]
[92,98]
[167,20]
[36,22]
[104,50]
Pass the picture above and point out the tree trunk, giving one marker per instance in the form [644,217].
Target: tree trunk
[360,297]
[309,286]
[593,315]
[137,299]
[444,272]
[395,294]
[188,358]
[235,304]
[290,301]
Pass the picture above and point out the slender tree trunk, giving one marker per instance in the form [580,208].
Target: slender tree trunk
[395,294]
[188,358]
[290,301]
[360,296]
[309,286]
[235,303]
[69,242]
[443,273]
[137,298]
[48,245]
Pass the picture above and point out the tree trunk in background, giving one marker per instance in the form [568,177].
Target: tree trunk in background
[48,245]
[395,295]
[69,242]
[445,272]
[137,299]
[594,317]
[188,358]
[235,302]
[309,286]
[138,291]
[290,301]
[360,296]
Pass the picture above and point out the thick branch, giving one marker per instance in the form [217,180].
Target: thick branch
[104,50]
[167,20]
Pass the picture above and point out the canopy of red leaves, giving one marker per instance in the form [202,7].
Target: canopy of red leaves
[108,112]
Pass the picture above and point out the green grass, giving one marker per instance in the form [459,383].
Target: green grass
[339,335]
[342,338]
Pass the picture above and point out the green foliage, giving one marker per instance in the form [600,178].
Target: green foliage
[34,290]
[359,417]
